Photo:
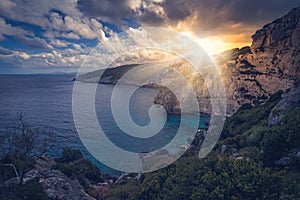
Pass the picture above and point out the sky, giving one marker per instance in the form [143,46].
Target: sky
[49,36]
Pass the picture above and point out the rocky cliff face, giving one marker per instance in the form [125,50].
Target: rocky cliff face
[252,74]
[290,100]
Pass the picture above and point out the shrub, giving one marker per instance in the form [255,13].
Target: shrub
[74,165]
[31,190]
[69,155]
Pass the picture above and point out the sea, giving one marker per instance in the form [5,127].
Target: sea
[45,102]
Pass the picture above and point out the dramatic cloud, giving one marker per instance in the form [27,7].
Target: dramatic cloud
[51,16]
[61,33]
[7,29]
[153,14]
[211,18]
[204,16]
[4,51]
[55,34]
[59,43]
[69,58]
[49,27]
[227,22]
[34,42]
[110,10]
[34,12]
[25,37]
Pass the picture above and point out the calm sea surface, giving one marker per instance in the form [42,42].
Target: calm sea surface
[46,103]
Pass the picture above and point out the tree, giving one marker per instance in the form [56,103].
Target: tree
[22,146]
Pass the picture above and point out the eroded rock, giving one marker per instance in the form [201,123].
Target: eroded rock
[290,100]
[55,183]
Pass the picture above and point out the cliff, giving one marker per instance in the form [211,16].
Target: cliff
[252,74]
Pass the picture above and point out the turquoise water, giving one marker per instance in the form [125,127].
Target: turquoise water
[46,101]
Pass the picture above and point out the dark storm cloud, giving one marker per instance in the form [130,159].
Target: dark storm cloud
[171,12]
[151,18]
[259,11]
[203,16]
[234,10]
[219,16]
[113,10]
[177,10]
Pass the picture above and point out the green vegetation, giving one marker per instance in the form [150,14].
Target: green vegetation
[272,141]
[246,170]
[71,163]
[74,165]
[22,145]
[14,191]
[209,178]
[281,139]
[249,116]
[32,190]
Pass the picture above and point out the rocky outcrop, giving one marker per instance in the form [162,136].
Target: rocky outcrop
[253,74]
[290,100]
[55,183]
[276,47]
[291,158]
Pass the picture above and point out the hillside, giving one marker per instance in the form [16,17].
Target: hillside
[252,160]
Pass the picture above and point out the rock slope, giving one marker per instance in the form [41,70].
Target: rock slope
[55,183]
[290,100]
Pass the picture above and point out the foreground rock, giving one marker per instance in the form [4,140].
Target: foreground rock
[55,183]
[291,158]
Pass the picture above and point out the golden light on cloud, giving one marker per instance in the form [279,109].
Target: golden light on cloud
[215,45]
[215,38]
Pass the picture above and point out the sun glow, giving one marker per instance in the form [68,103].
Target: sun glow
[214,45]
